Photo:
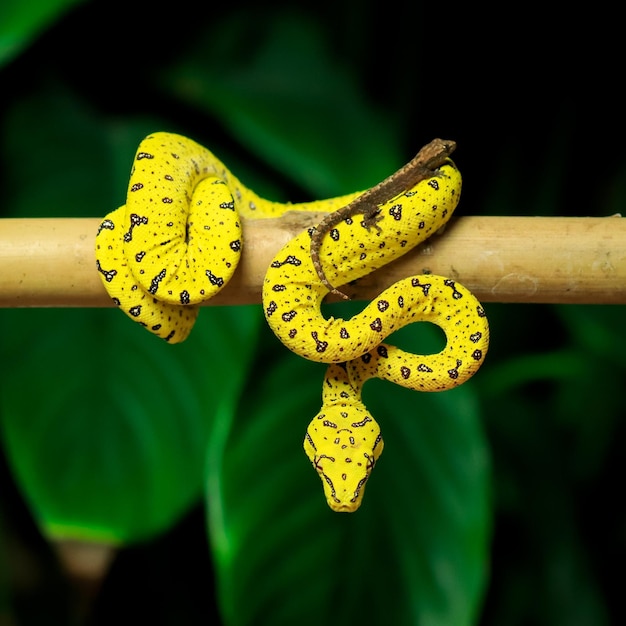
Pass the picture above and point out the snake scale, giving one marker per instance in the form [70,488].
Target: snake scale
[177,241]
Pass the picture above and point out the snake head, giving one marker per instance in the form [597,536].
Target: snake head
[343,442]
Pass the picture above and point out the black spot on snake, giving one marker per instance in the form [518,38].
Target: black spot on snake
[455,293]
[154,285]
[213,279]
[170,336]
[425,287]
[377,325]
[290,260]
[135,220]
[106,225]
[109,275]
[396,212]
[320,346]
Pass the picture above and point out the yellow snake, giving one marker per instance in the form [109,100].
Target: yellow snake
[177,242]
[343,441]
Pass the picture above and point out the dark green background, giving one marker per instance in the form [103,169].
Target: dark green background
[499,503]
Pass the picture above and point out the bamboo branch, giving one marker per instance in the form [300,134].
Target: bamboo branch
[51,262]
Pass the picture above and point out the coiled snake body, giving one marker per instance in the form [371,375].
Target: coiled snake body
[177,242]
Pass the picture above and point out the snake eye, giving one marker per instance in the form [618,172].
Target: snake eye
[318,458]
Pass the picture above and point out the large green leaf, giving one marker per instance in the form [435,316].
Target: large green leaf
[107,440]
[76,164]
[104,425]
[415,552]
[275,102]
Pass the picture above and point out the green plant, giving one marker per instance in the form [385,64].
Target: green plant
[113,437]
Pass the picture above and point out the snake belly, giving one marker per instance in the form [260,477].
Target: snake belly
[343,441]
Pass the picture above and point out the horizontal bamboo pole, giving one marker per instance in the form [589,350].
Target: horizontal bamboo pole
[51,262]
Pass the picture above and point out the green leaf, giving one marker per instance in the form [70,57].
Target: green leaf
[110,443]
[275,102]
[77,164]
[420,537]
[104,425]
[22,20]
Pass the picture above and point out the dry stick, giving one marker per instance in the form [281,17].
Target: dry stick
[51,262]
[422,166]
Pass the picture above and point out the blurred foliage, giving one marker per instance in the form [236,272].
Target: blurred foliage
[492,504]
[21,22]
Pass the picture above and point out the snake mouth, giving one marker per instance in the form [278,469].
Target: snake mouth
[341,502]
[343,507]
